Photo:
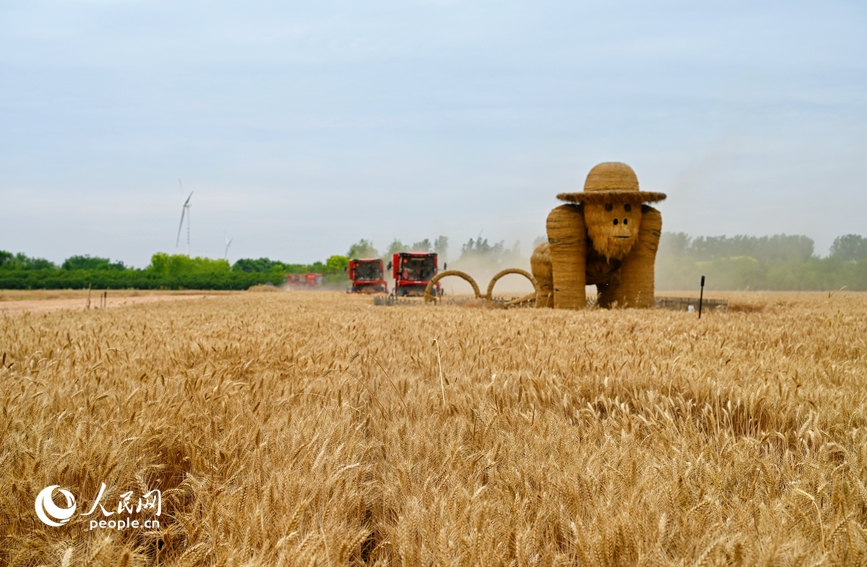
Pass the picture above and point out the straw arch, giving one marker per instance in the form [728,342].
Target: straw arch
[490,294]
[441,275]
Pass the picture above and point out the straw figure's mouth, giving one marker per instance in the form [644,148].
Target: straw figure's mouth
[625,237]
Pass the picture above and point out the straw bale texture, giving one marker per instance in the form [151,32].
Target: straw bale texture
[540,264]
[611,180]
[567,238]
[428,291]
[613,232]
[506,272]
[610,240]
[611,176]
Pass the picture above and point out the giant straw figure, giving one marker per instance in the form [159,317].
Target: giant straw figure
[604,236]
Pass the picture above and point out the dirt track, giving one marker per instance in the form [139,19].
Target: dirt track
[41,303]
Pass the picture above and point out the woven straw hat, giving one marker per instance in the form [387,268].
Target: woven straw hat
[611,181]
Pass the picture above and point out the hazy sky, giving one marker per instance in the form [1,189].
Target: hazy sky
[305,126]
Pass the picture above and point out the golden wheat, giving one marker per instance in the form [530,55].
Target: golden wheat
[314,428]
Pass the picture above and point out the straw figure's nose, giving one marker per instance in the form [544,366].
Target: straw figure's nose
[621,228]
[618,219]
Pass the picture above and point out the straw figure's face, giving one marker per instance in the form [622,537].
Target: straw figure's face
[612,208]
[613,226]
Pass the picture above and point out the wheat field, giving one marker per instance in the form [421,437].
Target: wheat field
[316,429]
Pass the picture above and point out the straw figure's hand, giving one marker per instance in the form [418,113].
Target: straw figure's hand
[566,250]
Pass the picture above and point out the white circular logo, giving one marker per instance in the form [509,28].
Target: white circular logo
[49,512]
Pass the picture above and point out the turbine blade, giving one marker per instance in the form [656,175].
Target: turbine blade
[183,212]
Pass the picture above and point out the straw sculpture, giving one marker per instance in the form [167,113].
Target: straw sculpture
[431,285]
[540,265]
[506,272]
[604,236]
[429,295]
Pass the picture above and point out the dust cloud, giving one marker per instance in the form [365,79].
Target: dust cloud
[482,272]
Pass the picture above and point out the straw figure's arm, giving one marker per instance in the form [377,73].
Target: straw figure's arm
[635,286]
[567,239]
[540,265]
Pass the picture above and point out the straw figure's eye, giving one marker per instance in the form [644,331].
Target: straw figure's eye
[609,207]
[627,207]
[625,221]
[615,221]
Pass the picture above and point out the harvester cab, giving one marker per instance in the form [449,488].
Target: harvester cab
[367,276]
[412,272]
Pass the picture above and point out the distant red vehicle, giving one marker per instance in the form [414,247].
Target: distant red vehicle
[304,281]
[412,272]
[367,275]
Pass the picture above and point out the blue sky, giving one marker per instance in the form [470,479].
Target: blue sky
[305,126]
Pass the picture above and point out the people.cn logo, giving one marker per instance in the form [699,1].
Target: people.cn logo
[50,513]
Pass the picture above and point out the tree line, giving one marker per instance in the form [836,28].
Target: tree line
[779,262]
[165,271]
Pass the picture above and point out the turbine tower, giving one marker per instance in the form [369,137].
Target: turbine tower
[228,243]
[185,212]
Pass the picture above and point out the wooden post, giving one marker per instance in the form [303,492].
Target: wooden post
[700,297]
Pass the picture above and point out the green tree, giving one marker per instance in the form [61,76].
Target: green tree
[362,249]
[423,246]
[91,263]
[395,247]
[22,262]
[180,265]
[762,248]
[674,244]
[849,248]
[480,253]
[250,265]
[441,247]
[336,264]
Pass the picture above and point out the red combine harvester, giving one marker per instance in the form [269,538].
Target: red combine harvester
[412,272]
[367,275]
[304,281]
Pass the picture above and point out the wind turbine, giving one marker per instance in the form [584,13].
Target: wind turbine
[228,243]
[185,212]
